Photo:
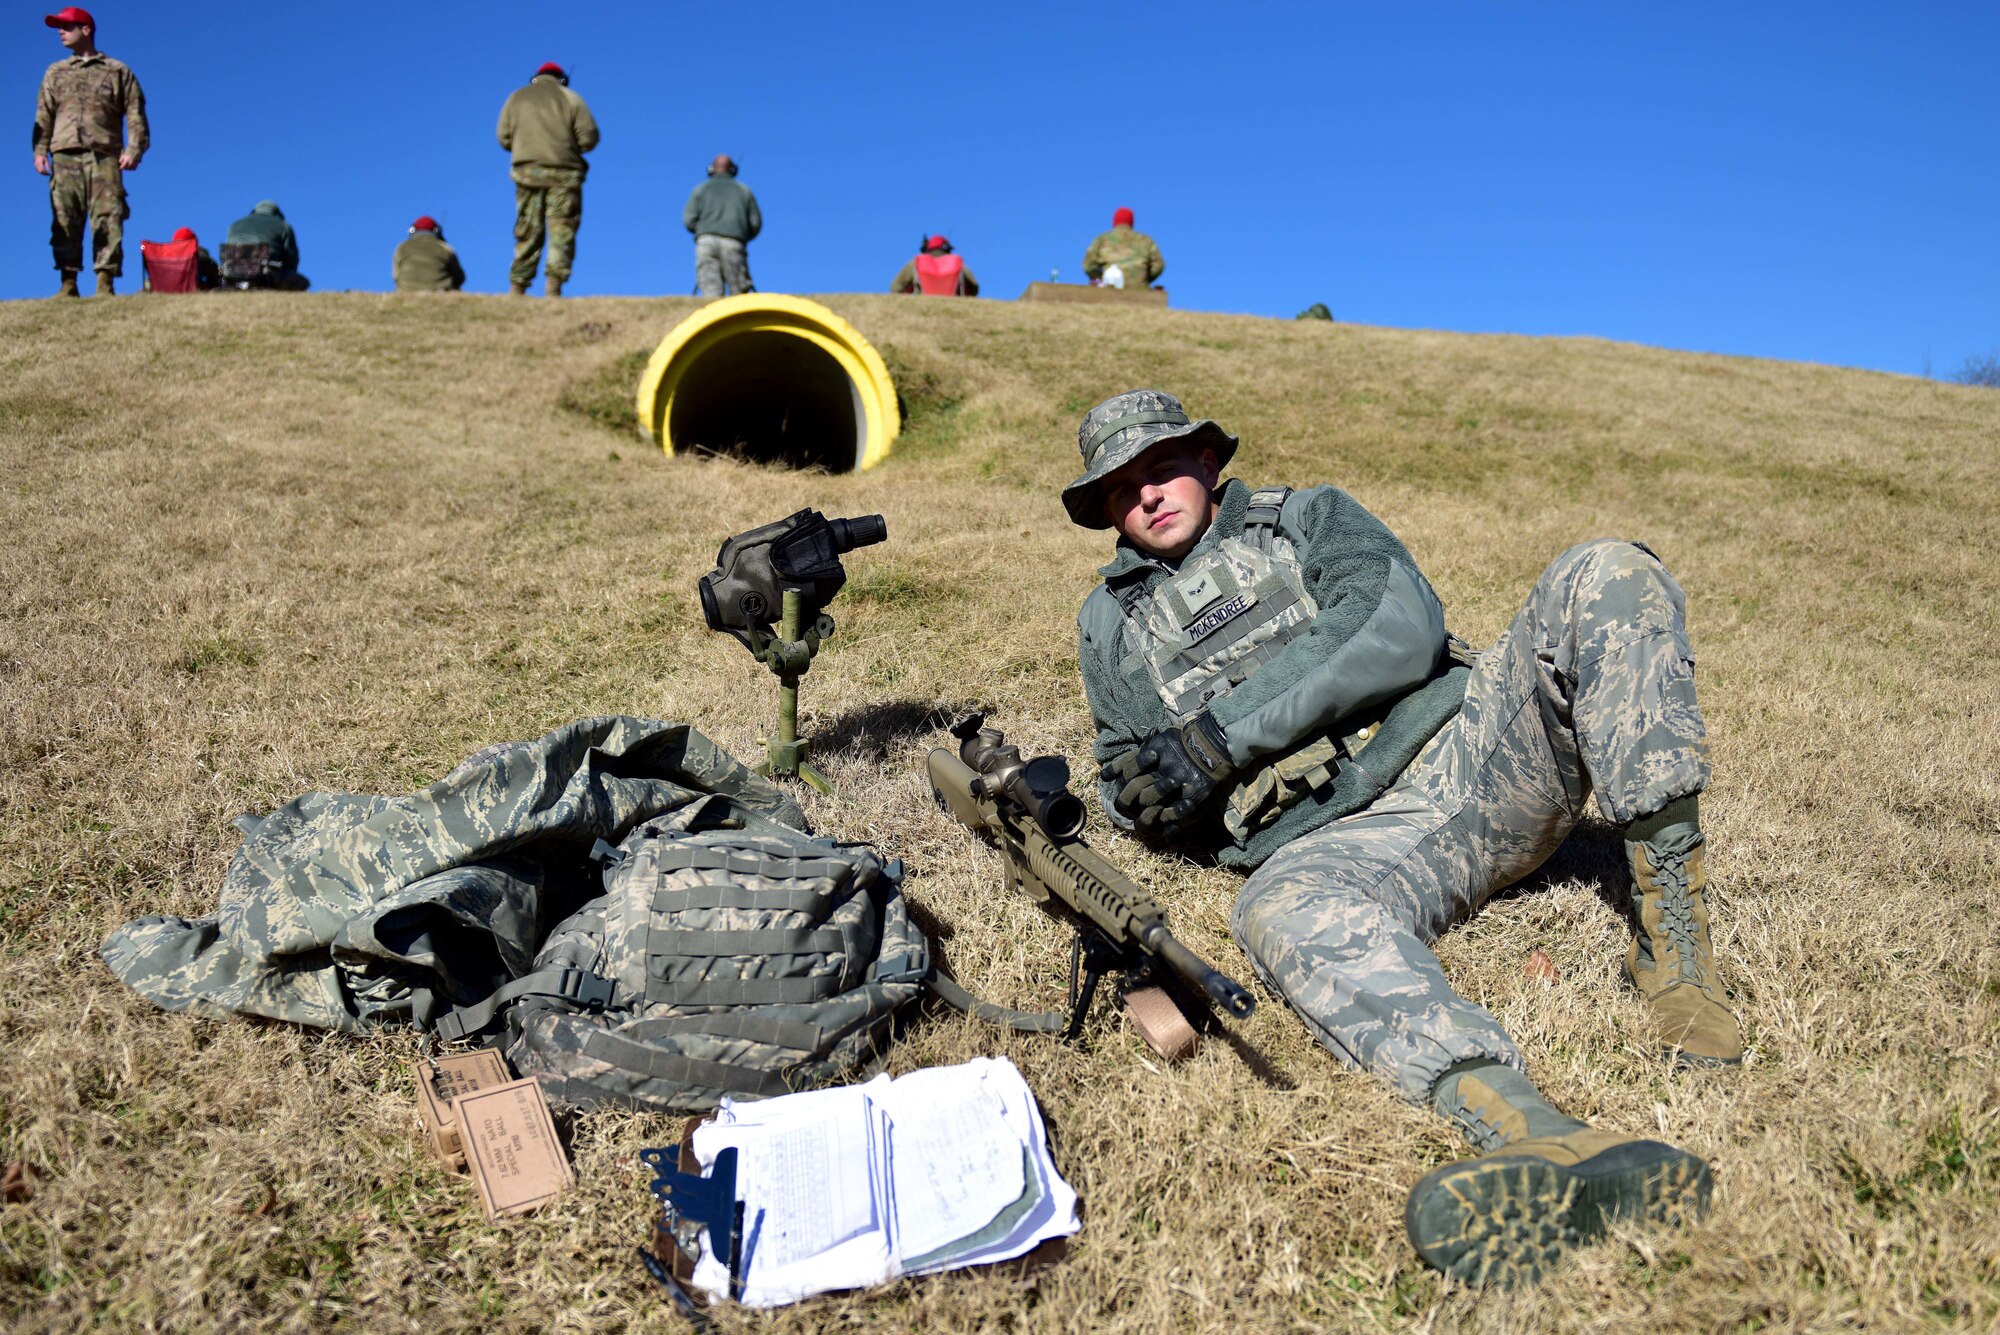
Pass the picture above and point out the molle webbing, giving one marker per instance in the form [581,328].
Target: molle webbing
[1260,520]
[774,941]
[729,895]
[1237,672]
[750,963]
[741,991]
[766,860]
[796,1034]
[1203,629]
[655,1063]
[1274,597]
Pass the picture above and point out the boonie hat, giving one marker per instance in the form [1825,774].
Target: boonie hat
[1122,428]
[62,18]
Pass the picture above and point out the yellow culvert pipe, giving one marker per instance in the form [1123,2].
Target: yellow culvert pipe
[770,377]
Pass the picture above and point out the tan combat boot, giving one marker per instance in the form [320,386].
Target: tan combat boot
[68,288]
[104,284]
[1553,1183]
[552,286]
[517,289]
[1670,960]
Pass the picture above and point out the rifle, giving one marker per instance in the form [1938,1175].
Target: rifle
[1025,808]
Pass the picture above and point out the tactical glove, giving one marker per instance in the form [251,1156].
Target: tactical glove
[1174,773]
[1139,798]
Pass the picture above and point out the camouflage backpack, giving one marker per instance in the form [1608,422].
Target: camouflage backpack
[747,961]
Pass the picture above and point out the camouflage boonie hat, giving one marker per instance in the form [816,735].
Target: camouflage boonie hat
[1122,428]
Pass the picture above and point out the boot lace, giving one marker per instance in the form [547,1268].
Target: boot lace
[1677,913]
[1483,1135]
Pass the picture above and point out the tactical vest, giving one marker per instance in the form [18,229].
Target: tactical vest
[1205,629]
[939,275]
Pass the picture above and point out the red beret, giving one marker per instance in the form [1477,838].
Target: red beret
[1121,218]
[550,67]
[424,224]
[937,243]
[63,17]
[184,234]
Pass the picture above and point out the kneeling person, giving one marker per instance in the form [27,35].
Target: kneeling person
[1271,680]
[261,250]
[425,262]
[935,272]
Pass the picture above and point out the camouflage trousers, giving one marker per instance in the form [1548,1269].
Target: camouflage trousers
[87,192]
[1590,690]
[721,264]
[550,207]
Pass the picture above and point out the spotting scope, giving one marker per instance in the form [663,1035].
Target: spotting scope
[744,594]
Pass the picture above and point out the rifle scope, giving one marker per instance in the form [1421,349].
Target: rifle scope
[1039,787]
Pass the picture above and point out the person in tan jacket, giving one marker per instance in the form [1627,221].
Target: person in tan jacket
[548,129]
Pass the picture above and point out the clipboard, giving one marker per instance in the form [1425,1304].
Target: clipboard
[673,1269]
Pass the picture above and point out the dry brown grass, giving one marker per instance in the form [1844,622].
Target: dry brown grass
[257,546]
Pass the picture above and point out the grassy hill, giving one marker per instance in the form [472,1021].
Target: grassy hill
[256,546]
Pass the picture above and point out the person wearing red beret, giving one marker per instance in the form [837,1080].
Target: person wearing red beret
[936,272]
[548,128]
[206,276]
[90,129]
[425,262]
[1122,257]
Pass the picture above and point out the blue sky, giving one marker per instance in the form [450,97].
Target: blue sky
[1809,182]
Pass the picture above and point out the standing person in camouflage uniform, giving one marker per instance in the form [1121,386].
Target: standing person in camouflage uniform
[90,129]
[1272,682]
[1132,255]
[725,219]
[548,128]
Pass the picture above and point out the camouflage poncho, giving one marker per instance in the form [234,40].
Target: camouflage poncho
[343,911]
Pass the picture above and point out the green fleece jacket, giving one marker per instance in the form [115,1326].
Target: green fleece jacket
[1379,636]
[265,225]
[723,206]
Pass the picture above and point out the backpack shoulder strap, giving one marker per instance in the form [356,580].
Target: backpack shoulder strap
[576,986]
[955,996]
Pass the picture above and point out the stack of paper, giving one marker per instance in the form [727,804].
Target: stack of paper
[843,1188]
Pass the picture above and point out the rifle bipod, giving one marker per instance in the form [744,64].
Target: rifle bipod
[1155,1013]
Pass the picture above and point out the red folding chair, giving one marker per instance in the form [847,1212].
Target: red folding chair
[170,265]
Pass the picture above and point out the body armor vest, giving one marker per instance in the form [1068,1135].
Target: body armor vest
[939,275]
[1206,628]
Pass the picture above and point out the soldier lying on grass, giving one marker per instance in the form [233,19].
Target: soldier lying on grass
[1272,682]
